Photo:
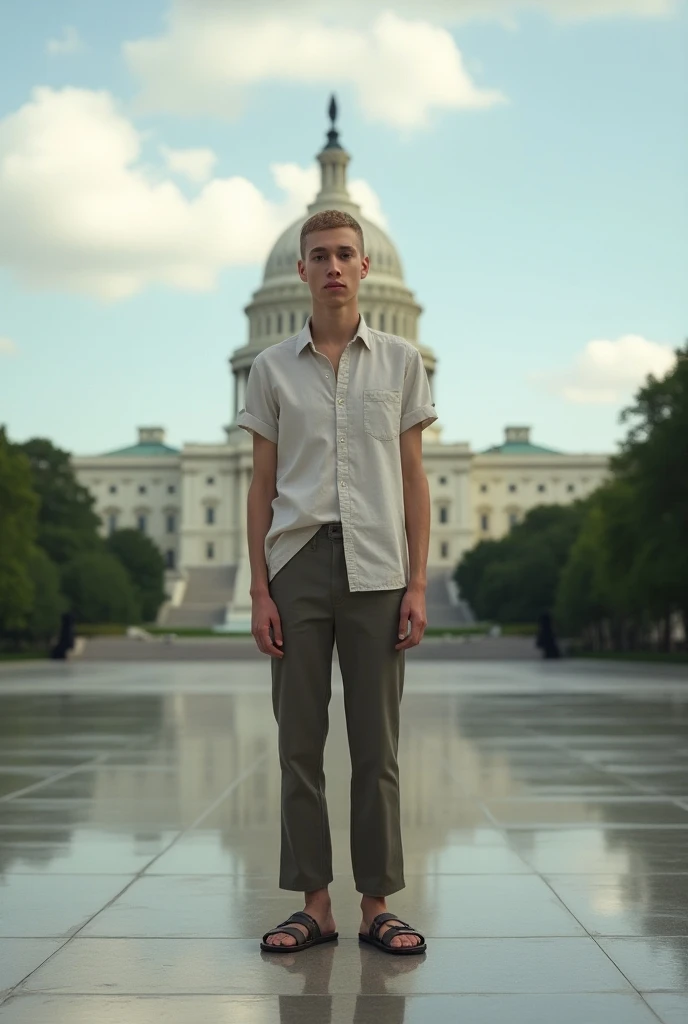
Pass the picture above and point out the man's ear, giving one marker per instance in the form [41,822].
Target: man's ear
[302,270]
[365,266]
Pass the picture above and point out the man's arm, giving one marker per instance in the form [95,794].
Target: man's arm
[416,505]
[261,493]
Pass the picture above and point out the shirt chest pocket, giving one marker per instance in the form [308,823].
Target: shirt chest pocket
[382,414]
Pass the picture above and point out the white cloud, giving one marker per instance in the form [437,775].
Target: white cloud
[8,347]
[400,59]
[69,42]
[79,211]
[401,69]
[608,372]
[194,164]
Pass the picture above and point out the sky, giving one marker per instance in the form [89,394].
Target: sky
[527,157]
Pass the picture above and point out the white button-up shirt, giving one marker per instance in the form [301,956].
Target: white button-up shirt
[337,440]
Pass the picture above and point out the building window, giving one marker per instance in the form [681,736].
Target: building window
[169,558]
[141,522]
[279,323]
[541,488]
[292,322]
[171,522]
[268,325]
[210,550]
[381,321]
[512,488]
[368,317]
[142,488]
[571,488]
[113,488]
[112,522]
[483,488]
[444,549]
[513,518]
[443,479]
[394,323]
[210,480]
[210,515]
[484,521]
[171,489]
[444,514]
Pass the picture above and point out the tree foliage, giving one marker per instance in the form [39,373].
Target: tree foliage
[67,523]
[43,621]
[145,566]
[515,579]
[99,589]
[615,567]
[18,526]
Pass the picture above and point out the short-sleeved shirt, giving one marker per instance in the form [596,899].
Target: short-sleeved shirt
[338,451]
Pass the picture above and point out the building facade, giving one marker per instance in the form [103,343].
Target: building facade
[192,501]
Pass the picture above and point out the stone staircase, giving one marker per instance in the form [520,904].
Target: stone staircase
[443,607]
[208,592]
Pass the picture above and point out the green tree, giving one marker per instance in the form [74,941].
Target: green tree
[653,461]
[18,518]
[67,524]
[145,566]
[44,619]
[99,589]
[515,579]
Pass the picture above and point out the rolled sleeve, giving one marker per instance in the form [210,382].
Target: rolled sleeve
[260,414]
[417,405]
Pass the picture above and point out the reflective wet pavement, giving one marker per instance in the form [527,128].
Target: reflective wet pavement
[545,814]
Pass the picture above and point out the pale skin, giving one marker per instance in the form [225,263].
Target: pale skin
[333,268]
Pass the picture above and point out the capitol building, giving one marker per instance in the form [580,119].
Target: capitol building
[192,501]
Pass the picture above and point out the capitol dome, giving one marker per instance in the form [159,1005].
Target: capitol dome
[282,303]
[384,258]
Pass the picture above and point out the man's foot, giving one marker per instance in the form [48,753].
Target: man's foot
[371,907]
[319,909]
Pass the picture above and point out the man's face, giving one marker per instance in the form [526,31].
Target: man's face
[334,265]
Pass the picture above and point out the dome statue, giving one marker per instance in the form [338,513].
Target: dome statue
[282,303]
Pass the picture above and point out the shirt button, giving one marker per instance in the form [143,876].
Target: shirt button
[327,376]
[341,440]
[340,401]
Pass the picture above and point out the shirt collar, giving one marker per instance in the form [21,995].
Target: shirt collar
[304,338]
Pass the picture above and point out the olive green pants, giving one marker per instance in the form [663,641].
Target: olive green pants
[316,609]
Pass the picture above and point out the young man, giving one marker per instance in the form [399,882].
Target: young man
[338,534]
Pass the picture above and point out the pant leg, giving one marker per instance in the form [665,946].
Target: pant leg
[366,631]
[301,689]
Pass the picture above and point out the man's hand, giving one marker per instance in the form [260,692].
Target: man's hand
[413,610]
[264,614]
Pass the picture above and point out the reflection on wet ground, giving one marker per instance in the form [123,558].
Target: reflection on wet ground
[546,842]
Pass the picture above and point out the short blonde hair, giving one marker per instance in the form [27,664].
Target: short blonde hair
[327,219]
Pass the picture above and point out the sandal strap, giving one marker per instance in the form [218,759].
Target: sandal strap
[286,930]
[392,933]
[308,922]
[300,917]
[383,919]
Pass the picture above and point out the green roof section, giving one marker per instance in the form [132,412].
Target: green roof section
[519,448]
[143,451]
[150,445]
[517,442]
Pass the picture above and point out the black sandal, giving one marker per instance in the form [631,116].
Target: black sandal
[384,943]
[314,933]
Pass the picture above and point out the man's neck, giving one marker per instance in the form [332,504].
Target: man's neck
[335,327]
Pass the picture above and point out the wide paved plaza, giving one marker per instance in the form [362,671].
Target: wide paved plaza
[545,813]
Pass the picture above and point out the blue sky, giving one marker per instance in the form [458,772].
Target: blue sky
[529,163]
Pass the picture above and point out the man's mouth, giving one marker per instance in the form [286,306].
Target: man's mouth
[334,287]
